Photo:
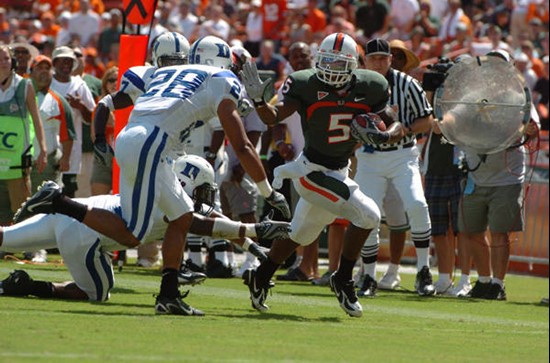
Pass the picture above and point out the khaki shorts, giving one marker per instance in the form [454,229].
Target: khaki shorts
[500,208]
[101,174]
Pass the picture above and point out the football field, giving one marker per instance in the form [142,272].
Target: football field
[304,323]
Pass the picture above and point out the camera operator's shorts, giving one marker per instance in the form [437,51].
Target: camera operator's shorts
[238,199]
[101,174]
[443,196]
[500,208]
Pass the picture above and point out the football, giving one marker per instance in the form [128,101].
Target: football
[365,118]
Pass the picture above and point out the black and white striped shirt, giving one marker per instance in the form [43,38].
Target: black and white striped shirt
[411,101]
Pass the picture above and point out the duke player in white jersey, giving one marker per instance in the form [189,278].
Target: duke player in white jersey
[174,99]
[85,251]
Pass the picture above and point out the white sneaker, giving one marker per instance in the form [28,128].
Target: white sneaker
[249,263]
[443,287]
[144,262]
[390,281]
[461,289]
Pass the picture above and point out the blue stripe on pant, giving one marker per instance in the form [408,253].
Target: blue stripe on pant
[94,273]
[141,212]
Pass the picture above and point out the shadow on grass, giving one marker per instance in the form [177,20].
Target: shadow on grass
[327,293]
[275,316]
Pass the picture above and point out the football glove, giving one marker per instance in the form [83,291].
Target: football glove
[254,86]
[103,152]
[364,129]
[278,201]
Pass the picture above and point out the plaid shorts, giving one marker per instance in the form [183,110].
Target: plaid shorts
[443,196]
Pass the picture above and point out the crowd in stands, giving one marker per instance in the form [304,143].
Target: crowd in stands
[88,31]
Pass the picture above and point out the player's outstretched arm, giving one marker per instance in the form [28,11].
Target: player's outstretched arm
[256,89]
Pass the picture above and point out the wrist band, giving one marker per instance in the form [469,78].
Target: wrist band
[263,157]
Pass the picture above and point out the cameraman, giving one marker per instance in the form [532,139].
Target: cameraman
[493,197]
[17,107]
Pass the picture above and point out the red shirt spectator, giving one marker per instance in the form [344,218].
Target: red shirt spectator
[273,12]
[316,19]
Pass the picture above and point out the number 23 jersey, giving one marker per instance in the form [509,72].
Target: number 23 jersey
[327,114]
[176,98]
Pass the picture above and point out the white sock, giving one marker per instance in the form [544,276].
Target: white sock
[393,268]
[484,279]
[222,257]
[230,258]
[497,281]
[250,257]
[196,258]
[445,277]
[464,279]
[422,258]
[370,269]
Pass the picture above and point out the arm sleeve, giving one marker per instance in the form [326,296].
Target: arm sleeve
[225,85]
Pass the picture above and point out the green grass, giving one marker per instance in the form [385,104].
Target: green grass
[304,323]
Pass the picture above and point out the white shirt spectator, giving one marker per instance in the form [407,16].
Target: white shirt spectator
[254,29]
[219,28]
[86,25]
[75,87]
[403,12]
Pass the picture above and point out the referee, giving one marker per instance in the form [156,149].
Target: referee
[395,166]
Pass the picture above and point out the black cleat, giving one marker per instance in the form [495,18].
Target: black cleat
[345,293]
[258,294]
[270,229]
[175,306]
[495,292]
[18,283]
[295,274]
[188,277]
[424,284]
[258,251]
[40,202]
[188,264]
[215,269]
[368,288]
[480,290]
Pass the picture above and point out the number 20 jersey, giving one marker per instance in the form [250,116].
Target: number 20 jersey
[326,114]
[176,98]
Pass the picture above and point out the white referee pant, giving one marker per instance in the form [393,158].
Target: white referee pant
[376,170]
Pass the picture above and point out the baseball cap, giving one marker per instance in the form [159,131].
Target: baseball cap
[39,59]
[377,46]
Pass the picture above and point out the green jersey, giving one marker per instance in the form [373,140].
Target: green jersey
[326,114]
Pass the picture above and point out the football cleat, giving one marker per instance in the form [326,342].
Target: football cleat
[496,292]
[188,264]
[443,287]
[480,290]
[40,202]
[258,251]
[258,294]
[188,277]
[215,269]
[18,283]
[461,289]
[270,229]
[295,274]
[345,293]
[368,288]
[323,280]
[390,281]
[175,306]
[424,283]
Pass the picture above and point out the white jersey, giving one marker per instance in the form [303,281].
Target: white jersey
[176,98]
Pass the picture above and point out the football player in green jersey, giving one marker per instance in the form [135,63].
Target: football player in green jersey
[327,97]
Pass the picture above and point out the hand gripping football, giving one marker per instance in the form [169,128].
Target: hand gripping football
[369,128]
